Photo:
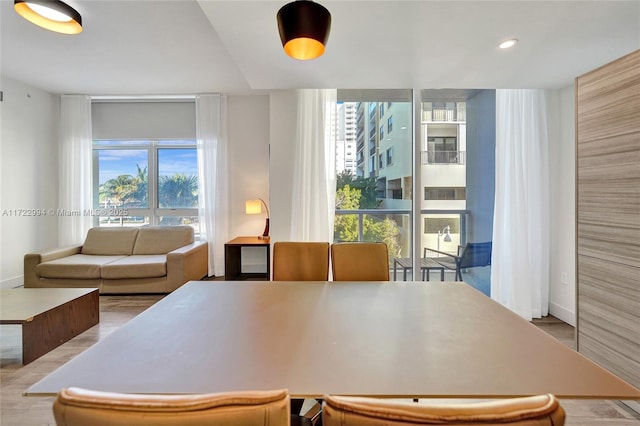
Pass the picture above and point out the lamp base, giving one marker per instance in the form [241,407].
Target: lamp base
[265,234]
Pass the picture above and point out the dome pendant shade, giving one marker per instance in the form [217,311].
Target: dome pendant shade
[304,29]
[53,15]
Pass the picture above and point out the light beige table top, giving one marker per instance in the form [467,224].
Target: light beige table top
[374,339]
[18,305]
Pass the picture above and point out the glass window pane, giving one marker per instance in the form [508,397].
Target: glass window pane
[192,221]
[177,178]
[123,178]
[382,177]
[123,220]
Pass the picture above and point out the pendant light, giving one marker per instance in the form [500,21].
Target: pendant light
[53,15]
[304,29]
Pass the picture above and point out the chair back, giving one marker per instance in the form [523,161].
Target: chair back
[475,254]
[300,261]
[76,406]
[526,411]
[360,261]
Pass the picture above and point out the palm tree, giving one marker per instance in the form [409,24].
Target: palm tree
[178,191]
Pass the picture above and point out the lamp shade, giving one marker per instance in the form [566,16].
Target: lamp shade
[304,29]
[53,15]
[253,207]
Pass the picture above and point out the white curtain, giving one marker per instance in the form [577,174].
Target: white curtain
[211,124]
[314,178]
[75,184]
[520,271]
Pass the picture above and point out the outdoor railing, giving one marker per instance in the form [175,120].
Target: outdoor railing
[442,157]
[361,213]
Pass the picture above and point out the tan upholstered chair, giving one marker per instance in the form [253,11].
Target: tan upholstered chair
[527,411]
[82,407]
[300,261]
[362,261]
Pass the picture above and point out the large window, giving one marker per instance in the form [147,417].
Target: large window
[375,203]
[139,182]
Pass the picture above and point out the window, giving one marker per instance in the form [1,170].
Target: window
[367,208]
[389,124]
[441,193]
[151,182]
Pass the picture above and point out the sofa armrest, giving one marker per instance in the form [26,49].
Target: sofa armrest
[187,263]
[31,260]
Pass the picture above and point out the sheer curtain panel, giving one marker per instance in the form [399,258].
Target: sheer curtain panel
[75,169]
[520,271]
[213,201]
[314,179]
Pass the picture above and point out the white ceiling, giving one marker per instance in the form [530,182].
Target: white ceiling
[160,47]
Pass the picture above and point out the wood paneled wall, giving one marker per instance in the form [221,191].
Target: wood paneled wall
[608,216]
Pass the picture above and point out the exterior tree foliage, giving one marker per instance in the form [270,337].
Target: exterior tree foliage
[177,191]
[356,194]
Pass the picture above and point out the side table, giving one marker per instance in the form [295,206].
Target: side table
[233,259]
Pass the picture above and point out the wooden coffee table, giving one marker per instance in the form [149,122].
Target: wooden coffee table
[49,316]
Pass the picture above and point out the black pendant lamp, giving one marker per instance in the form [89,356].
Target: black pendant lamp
[53,15]
[304,29]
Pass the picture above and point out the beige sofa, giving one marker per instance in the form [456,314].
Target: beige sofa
[122,260]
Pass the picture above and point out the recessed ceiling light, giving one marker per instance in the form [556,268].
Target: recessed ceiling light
[508,43]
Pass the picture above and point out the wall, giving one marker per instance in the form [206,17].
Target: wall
[282,136]
[608,223]
[562,288]
[29,175]
[248,155]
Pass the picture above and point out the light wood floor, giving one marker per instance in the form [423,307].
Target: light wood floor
[17,410]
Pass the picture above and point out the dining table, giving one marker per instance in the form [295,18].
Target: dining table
[377,339]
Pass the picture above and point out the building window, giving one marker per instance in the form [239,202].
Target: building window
[148,182]
[380,161]
[390,156]
[389,124]
[381,132]
[381,109]
[442,193]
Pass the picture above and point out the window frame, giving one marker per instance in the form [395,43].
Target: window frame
[152,212]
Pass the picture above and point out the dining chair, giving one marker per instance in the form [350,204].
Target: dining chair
[77,406]
[300,261]
[360,261]
[535,410]
[470,255]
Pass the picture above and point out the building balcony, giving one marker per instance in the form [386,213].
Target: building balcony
[442,157]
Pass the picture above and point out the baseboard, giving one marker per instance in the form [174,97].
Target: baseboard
[562,313]
[12,282]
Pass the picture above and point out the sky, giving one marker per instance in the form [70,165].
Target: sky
[116,162]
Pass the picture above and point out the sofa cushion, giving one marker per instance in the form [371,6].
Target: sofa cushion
[77,266]
[162,239]
[136,266]
[110,241]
